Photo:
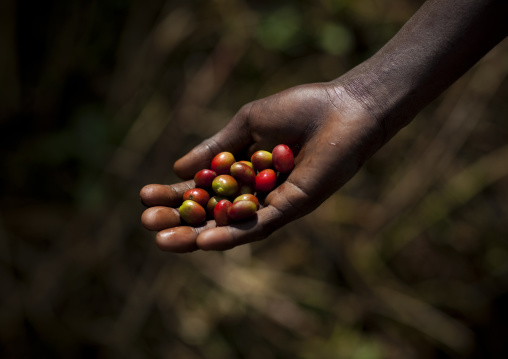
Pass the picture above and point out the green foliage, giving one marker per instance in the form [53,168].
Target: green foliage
[336,39]
[280,29]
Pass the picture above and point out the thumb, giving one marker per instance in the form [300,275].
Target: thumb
[233,138]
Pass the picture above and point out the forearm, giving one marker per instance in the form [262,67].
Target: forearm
[434,48]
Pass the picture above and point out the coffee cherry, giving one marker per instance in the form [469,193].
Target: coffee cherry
[261,160]
[192,212]
[222,162]
[242,210]
[212,203]
[204,178]
[247,197]
[197,195]
[266,180]
[243,173]
[283,159]
[225,185]
[220,213]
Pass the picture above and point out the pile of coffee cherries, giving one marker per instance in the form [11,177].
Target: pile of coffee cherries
[228,190]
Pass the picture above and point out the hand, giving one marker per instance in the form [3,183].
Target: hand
[331,133]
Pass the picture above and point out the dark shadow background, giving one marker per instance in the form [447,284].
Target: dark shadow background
[98,98]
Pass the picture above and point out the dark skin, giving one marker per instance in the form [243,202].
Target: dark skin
[333,127]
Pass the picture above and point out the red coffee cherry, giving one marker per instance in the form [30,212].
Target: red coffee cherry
[266,180]
[212,203]
[220,213]
[204,178]
[197,195]
[222,162]
[283,159]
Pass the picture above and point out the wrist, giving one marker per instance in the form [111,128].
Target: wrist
[388,97]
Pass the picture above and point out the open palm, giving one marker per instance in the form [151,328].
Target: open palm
[331,135]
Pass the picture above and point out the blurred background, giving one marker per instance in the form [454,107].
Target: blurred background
[98,98]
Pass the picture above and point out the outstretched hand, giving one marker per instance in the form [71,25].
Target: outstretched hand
[334,127]
[331,134]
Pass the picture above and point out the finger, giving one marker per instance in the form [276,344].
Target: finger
[233,138]
[158,218]
[266,221]
[164,195]
[181,239]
